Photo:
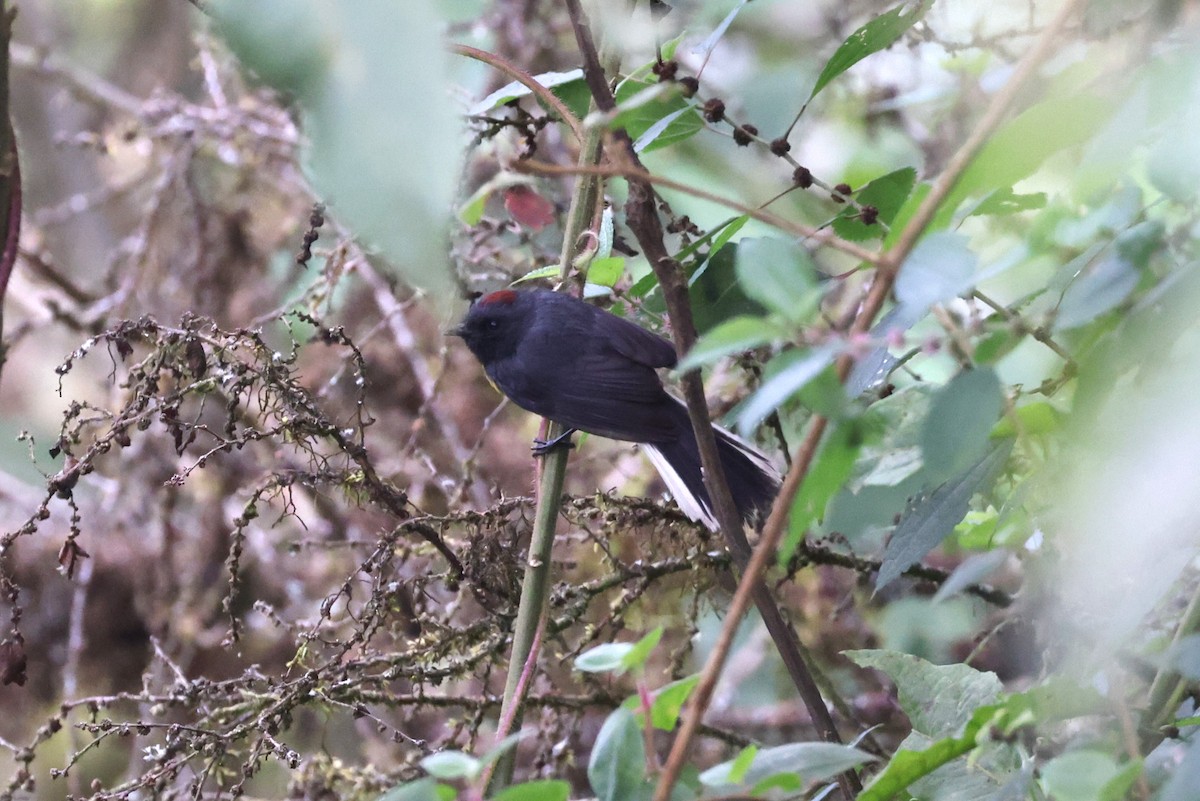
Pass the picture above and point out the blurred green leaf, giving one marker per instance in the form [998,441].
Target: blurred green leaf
[732,336]
[616,770]
[1186,776]
[787,374]
[420,790]
[1099,289]
[939,700]
[939,268]
[740,764]
[606,658]
[780,275]
[886,194]
[1005,201]
[878,34]
[933,516]
[710,41]
[451,765]
[972,570]
[667,702]
[537,790]
[1033,419]
[961,416]
[828,474]
[549,271]
[812,762]
[1082,776]
[606,271]
[1020,146]
[637,655]
[354,68]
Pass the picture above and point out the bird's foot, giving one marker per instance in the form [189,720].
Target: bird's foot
[541,447]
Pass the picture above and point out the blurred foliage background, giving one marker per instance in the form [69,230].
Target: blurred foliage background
[264,525]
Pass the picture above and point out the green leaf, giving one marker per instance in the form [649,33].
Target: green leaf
[893,466]
[810,761]
[938,699]
[1186,776]
[1033,419]
[538,790]
[451,765]
[637,655]
[972,570]
[651,134]
[906,766]
[1079,775]
[498,750]
[705,47]
[420,790]
[741,763]
[516,89]
[351,67]
[878,34]
[550,271]
[1101,287]
[939,268]
[934,515]
[606,271]
[886,194]
[732,336]
[618,762]
[1184,657]
[1020,146]
[996,345]
[780,275]
[669,700]
[606,658]
[1004,201]
[787,374]
[961,416]
[641,105]
[828,475]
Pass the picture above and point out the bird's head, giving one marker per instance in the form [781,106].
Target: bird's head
[495,323]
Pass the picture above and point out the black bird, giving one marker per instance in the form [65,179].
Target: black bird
[592,371]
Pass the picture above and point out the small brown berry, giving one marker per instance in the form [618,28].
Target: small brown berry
[741,136]
[714,110]
[780,146]
[843,189]
[802,177]
[665,70]
[869,215]
[689,85]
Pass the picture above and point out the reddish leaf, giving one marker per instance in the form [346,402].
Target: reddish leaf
[527,207]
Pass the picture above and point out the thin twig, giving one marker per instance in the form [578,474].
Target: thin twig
[528,81]
[820,236]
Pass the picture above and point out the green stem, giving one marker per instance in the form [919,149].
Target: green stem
[532,609]
[1168,687]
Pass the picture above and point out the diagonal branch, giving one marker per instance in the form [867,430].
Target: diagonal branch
[880,289]
[641,216]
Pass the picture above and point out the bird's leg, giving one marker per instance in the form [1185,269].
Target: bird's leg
[541,447]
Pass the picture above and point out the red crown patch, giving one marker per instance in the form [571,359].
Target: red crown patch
[501,296]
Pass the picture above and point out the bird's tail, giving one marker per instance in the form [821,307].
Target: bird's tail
[753,480]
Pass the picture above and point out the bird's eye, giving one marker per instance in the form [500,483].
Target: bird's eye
[493,325]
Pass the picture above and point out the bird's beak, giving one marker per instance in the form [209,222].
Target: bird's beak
[456,331]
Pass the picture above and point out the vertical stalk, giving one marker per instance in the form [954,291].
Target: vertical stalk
[531,612]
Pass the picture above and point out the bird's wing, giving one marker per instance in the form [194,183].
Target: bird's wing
[614,397]
[634,342]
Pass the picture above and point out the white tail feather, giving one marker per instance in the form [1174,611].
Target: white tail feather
[688,503]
